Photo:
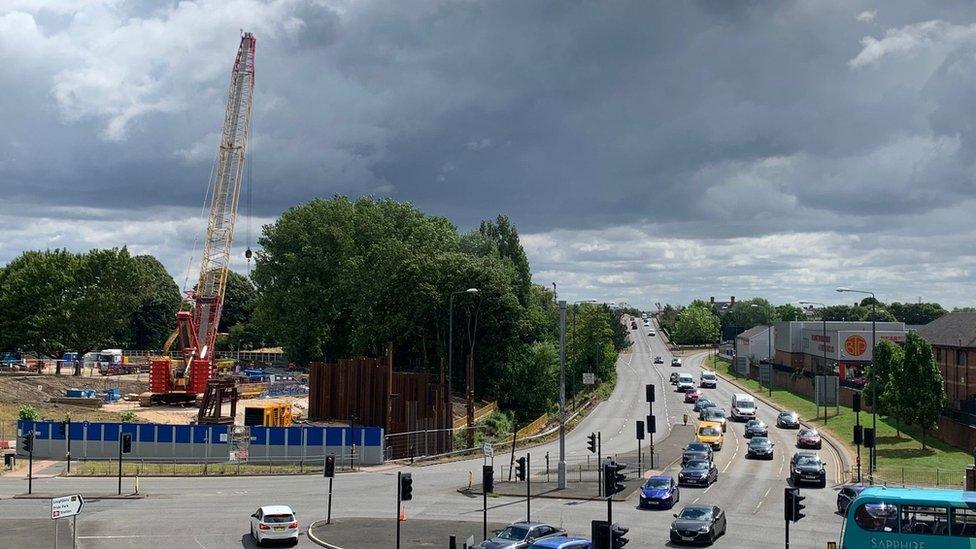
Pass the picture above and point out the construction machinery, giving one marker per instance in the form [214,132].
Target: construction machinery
[269,414]
[184,380]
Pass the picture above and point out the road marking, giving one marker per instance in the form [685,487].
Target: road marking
[761,501]
[696,500]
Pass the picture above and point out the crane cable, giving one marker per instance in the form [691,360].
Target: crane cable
[203,210]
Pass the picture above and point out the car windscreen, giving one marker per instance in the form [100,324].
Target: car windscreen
[708,376]
[278,519]
[808,460]
[745,404]
[697,464]
[808,433]
[698,447]
[716,414]
[695,513]
[708,431]
[513,533]
[658,483]
[758,441]
[684,377]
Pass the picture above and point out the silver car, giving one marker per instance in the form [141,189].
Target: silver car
[520,534]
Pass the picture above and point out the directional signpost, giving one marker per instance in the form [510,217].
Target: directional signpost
[67,506]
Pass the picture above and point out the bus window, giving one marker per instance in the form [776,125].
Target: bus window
[877,517]
[920,519]
[964,523]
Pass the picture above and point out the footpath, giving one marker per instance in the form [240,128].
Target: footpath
[583,484]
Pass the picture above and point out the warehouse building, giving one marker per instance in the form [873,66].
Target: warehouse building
[838,347]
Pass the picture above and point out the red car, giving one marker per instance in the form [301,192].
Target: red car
[693,395]
[808,438]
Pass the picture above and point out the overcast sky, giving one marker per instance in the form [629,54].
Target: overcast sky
[647,151]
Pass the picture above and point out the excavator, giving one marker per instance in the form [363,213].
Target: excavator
[192,377]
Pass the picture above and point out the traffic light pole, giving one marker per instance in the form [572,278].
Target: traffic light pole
[120,461]
[30,463]
[787,534]
[857,419]
[599,465]
[398,511]
[609,520]
[528,487]
[67,435]
[484,512]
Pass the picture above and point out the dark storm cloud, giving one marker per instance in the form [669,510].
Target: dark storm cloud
[709,122]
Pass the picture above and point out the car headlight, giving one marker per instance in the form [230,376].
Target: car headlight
[703,529]
[674,528]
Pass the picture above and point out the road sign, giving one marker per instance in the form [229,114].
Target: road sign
[742,365]
[765,374]
[826,390]
[488,449]
[589,378]
[67,506]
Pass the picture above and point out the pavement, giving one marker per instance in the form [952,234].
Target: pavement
[212,512]
[363,533]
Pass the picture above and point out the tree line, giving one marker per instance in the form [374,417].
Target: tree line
[334,278]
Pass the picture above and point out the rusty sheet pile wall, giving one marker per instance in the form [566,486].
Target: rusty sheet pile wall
[368,391]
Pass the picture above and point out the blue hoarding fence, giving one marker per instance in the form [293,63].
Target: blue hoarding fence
[99,440]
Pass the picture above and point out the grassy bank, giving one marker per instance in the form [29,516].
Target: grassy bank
[898,456]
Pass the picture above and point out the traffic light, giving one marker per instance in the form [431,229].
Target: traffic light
[27,442]
[797,506]
[617,538]
[406,487]
[640,430]
[856,402]
[651,425]
[520,468]
[868,437]
[329,466]
[488,478]
[598,533]
[612,478]
[649,392]
[126,443]
[591,444]
[858,434]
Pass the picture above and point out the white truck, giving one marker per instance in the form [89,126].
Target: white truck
[743,407]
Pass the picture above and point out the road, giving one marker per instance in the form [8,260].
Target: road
[212,512]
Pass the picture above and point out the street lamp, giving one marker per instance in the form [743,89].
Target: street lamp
[874,387]
[823,344]
[450,348]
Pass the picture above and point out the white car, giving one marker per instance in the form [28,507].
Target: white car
[274,522]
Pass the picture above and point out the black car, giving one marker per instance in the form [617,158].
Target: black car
[759,447]
[698,523]
[807,467]
[756,428]
[703,403]
[658,360]
[696,450]
[674,377]
[698,472]
[788,420]
[846,495]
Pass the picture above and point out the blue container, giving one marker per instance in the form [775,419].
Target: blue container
[80,393]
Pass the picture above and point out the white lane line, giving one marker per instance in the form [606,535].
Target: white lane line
[782,463]
[761,501]
[696,500]
[709,488]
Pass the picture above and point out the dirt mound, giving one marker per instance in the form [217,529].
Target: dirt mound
[38,389]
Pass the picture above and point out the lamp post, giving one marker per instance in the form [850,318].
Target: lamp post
[873,463]
[823,344]
[561,472]
[450,350]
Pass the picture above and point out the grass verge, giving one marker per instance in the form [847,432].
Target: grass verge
[901,458]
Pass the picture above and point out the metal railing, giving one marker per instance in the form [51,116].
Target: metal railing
[214,466]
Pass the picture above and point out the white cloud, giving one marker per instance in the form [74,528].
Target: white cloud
[867,16]
[939,36]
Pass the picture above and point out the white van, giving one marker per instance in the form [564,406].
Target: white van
[685,382]
[708,379]
[743,407]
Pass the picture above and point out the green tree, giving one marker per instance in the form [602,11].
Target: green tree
[964,309]
[696,325]
[922,392]
[239,297]
[916,313]
[788,312]
[889,364]
[668,318]
[749,313]
[535,371]
[155,317]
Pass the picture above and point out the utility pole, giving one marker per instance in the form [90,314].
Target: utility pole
[561,473]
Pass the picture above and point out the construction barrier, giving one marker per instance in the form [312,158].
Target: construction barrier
[533,427]
[479,414]
[202,442]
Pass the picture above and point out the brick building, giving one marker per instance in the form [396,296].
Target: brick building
[953,340]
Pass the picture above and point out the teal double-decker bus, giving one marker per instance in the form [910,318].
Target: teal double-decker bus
[910,518]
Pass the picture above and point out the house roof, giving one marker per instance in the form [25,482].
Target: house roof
[951,329]
[754,331]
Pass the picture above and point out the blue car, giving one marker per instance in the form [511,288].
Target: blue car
[660,492]
[561,543]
